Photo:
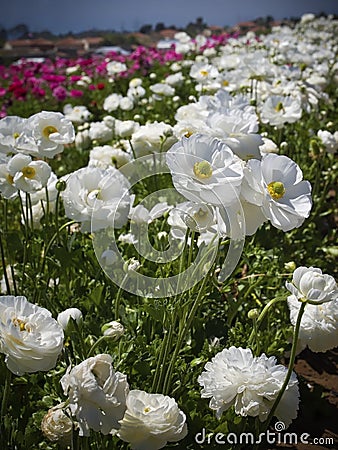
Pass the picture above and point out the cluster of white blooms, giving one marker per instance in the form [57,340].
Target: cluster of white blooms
[29,337]
[319,324]
[235,377]
[23,144]
[100,399]
[206,170]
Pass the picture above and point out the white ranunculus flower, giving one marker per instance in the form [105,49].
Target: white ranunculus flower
[278,110]
[77,114]
[27,175]
[250,383]
[309,283]
[7,187]
[319,324]
[114,67]
[97,198]
[100,132]
[57,426]
[152,138]
[106,156]
[29,336]
[125,128]
[151,420]
[65,316]
[204,169]
[11,128]
[50,132]
[329,140]
[276,185]
[97,394]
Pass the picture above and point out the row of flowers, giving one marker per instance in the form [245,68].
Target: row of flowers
[228,123]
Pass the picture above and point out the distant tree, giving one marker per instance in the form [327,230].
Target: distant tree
[20,31]
[159,26]
[146,29]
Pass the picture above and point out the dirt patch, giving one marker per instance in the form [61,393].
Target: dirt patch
[318,414]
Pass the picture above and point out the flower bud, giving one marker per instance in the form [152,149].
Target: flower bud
[57,426]
[253,314]
[113,329]
[65,316]
[61,185]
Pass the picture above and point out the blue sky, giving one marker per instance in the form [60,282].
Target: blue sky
[62,16]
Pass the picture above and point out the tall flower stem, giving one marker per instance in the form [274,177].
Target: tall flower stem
[262,316]
[291,365]
[4,402]
[182,333]
[3,261]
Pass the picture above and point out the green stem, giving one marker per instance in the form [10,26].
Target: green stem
[118,298]
[50,243]
[262,316]
[8,287]
[291,364]
[182,334]
[4,405]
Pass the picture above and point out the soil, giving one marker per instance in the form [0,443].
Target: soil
[318,413]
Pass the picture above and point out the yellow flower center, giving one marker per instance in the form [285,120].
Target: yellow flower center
[28,172]
[16,135]
[188,134]
[47,131]
[225,83]
[21,324]
[202,170]
[146,410]
[279,107]
[204,73]
[276,189]
[9,178]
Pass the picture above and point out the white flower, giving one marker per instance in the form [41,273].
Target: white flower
[27,175]
[125,128]
[152,138]
[76,114]
[126,104]
[112,102]
[100,132]
[162,89]
[276,185]
[309,283]
[319,324]
[115,67]
[29,337]
[11,128]
[57,426]
[97,195]
[235,377]
[82,140]
[7,188]
[106,156]
[141,214]
[204,169]
[278,110]
[151,420]
[97,394]
[50,131]
[329,140]
[203,73]
[65,316]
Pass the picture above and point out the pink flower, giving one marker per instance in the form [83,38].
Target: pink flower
[76,93]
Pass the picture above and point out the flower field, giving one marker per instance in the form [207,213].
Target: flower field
[168,242]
